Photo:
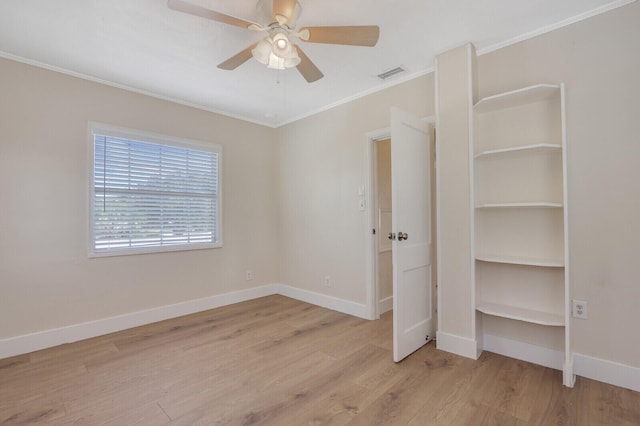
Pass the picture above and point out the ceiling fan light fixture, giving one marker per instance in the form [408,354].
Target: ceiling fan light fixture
[281,44]
[280,63]
[267,52]
[292,59]
[279,19]
[262,51]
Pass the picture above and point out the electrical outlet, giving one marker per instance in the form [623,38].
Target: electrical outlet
[579,309]
[248,275]
[327,281]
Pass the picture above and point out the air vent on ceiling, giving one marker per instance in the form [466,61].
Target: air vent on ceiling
[388,74]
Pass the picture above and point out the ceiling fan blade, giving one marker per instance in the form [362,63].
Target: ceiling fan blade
[307,68]
[283,8]
[238,59]
[358,35]
[192,9]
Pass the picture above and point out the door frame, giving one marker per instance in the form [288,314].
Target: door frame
[371,246]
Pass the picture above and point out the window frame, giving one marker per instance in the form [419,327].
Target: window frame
[143,136]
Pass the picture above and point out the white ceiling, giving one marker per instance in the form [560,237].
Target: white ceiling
[144,46]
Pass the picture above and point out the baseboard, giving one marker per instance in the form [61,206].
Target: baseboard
[606,371]
[385,305]
[329,302]
[593,368]
[45,339]
[458,345]
[525,351]
[598,369]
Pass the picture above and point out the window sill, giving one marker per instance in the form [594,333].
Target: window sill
[150,250]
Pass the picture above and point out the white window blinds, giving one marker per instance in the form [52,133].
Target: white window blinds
[150,196]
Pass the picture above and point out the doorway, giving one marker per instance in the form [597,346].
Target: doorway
[384,217]
[379,218]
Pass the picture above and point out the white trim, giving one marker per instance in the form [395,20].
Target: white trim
[525,351]
[325,301]
[458,345]
[385,305]
[568,373]
[358,95]
[150,137]
[371,249]
[436,164]
[556,26]
[108,130]
[400,80]
[471,58]
[593,368]
[48,338]
[87,77]
[58,336]
[606,371]
[569,377]
[64,71]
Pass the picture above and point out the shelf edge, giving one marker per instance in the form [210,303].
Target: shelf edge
[548,263]
[521,314]
[478,106]
[532,147]
[519,205]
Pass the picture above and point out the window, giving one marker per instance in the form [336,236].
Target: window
[152,193]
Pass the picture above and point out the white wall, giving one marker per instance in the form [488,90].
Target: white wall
[321,167]
[293,217]
[46,279]
[598,61]
[455,267]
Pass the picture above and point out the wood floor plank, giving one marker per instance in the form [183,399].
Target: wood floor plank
[12,363]
[460,394]
[430,371]
[514,387]
[278,361]
[292,401]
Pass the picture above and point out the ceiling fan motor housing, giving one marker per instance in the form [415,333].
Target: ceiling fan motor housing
[265,13]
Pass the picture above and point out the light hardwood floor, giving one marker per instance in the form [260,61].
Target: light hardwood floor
[278,361]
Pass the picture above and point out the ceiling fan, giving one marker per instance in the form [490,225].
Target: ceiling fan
[279,19]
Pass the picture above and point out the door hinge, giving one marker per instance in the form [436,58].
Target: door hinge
[374,231]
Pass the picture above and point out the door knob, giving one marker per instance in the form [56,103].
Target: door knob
[403,236]
[392,236]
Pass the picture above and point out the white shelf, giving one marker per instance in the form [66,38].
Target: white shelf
[519,199]
[544,205]
[516,98]
[521,314]
[513,260]
[540,147]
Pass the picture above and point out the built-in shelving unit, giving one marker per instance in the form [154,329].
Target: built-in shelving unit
[520,218]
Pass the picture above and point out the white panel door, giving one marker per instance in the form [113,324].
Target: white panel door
[411,204]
